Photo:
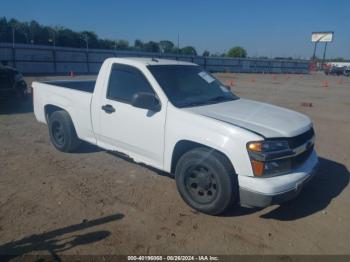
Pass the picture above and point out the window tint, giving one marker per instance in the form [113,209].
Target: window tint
[125,81]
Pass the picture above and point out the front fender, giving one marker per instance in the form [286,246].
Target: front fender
[223,137]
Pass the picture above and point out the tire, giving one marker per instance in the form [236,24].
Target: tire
[62,132]
[206,181]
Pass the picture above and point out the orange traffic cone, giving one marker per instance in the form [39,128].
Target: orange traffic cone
[252,79]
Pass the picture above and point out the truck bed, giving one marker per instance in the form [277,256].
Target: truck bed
[81,85]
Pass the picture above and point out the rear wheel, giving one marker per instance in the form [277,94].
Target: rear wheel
[206,181]
[62,132]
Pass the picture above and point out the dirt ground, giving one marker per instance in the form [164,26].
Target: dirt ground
[93,202]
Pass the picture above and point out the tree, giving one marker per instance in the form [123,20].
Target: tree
[122,45]
[35,33]
[188,50]
[138,45]
[106,44]
[91,37]
[151,47]
[166,46]
[69,38]
[206,53]
[237,51]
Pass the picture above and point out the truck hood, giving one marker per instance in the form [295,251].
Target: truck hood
[264,119]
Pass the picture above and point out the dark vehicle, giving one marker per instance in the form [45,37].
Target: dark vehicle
[12,84]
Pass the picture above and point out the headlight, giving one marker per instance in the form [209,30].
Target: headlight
[268,146]
[264,157]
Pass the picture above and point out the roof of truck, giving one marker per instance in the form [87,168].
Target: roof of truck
[154,61]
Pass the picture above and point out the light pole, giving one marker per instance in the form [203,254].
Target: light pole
[178,44]
[86,38]
[53,39]
[13,37]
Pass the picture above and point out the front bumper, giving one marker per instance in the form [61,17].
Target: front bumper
[262,192]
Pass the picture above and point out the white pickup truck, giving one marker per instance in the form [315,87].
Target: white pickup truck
[175,117]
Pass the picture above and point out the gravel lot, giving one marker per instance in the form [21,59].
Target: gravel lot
[93,202]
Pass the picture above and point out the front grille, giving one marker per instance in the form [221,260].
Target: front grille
[301,158]
[301,139]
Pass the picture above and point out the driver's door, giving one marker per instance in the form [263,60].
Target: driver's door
[130,130]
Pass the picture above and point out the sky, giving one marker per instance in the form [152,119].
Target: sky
[264,28]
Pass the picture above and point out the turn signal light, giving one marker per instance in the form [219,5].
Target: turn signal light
[258,167]
[255,146]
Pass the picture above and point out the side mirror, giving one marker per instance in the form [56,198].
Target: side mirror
[146,101]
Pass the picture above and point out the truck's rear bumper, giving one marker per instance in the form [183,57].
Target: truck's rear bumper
[270,188]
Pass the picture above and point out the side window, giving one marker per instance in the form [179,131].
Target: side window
[125,81]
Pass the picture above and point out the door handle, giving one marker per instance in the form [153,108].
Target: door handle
[108,109]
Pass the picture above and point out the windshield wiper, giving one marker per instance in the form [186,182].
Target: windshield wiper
[219,99]
[209,101]
[193,103]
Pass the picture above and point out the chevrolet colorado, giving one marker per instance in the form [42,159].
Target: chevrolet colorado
[175,117]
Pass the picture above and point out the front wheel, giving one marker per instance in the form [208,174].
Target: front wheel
[206,181]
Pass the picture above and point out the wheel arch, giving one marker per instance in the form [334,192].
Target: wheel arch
[183,146]
[49,109]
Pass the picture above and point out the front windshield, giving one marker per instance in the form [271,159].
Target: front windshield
[187,85]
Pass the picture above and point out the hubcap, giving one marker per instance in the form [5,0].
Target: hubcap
[58,133]
[201,184]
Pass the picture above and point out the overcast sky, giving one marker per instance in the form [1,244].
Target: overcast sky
[265,28]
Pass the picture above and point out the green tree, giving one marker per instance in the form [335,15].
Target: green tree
[35,33]
[166,46]
[138,45]
[151,47]
[206,53]
[69,38]
[188,50]
[237,51]
[122,45]
[91,37]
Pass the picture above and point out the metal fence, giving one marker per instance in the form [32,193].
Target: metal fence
[33,59]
